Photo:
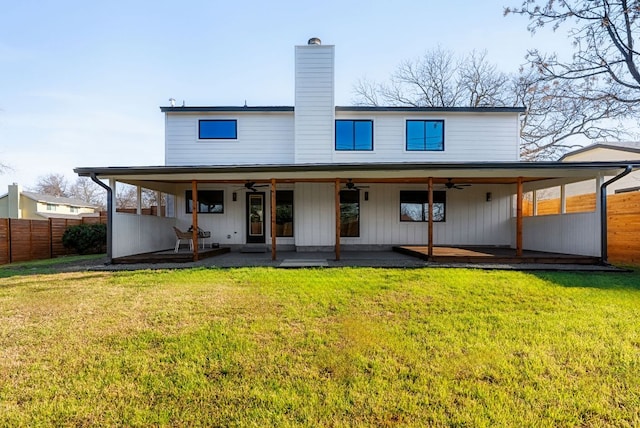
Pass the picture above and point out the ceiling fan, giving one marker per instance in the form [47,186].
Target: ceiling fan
[451,185]
[350,185]
[251,185]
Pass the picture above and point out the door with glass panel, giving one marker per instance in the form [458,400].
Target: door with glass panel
[255,218]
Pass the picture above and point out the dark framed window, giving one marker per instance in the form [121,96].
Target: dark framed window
[284,213]
[414,205]
[218,129]
[425,135]
[350,213]
[354,135]
[209,201]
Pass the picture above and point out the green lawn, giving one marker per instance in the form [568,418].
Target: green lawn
[332,347]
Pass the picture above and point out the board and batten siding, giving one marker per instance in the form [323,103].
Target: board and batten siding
[314,103]
[263,138]
[469,137]
[137,234]
[575,233]
[470,219]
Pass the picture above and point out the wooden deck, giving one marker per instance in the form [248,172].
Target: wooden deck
[492,255]
[169,256]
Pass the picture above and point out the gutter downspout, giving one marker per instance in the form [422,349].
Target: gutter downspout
[109,215]
[603,213]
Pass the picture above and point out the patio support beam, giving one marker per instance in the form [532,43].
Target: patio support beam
[519,217]
[273,219]
[194,221]
[430,245]
[337,202]
[563,199]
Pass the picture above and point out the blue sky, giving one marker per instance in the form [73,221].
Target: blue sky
[81,81]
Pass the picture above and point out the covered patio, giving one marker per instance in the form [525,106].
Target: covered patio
[319,213]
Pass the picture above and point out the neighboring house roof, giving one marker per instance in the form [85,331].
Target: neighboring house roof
[239,109]
[39,197]
[49,215]
[626,146]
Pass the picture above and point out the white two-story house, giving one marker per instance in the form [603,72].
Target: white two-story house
[316,176]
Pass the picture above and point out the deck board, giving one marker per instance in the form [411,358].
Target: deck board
[169,256]
[467,254]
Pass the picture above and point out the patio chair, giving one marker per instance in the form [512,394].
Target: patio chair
[180,236]
[203,235]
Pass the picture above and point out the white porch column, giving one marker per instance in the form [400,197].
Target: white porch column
[563,199]
[138,200]
[112,184]
[159,199]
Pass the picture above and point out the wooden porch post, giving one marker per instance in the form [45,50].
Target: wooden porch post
[273,219]
[337,197]
[519,218]
[430,247]
[194,213]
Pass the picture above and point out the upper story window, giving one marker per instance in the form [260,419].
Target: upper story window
[425,135]
[354,135]
[218,129]
[51,207]
[74,209]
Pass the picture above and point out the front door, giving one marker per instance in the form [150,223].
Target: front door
[255,218]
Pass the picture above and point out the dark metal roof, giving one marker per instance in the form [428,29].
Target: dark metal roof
[434,109]
[242,109]
[234,109]
[217,169]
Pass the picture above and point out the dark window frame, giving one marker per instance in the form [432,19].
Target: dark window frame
[353,145]
[425,149]
[422,197]
[235,129]
[188,198]
[356,200]
[282,193]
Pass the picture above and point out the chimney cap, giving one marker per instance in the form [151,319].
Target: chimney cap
[314,41]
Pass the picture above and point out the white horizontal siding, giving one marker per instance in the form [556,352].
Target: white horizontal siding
[263,138]
[314,103]
[468,138]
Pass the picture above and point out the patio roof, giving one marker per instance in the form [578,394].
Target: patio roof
[485,172]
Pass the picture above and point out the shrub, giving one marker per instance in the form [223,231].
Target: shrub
[86,238]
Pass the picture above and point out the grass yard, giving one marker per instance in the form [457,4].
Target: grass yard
[332,347]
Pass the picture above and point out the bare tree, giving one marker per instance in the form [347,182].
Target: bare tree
[86,190]
[52,184]
[604,32]
[126,196]
[555,114]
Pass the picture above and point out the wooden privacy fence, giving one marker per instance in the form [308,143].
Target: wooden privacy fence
[24,240]
[623,221]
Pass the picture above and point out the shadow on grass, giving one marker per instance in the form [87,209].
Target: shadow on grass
[51,266]
[604,280]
